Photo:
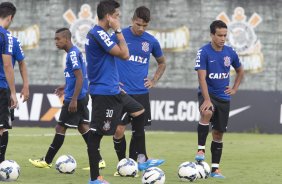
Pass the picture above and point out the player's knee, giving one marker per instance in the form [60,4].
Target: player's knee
[119,132]
[60,129]
[217,135]
[206,114]
[138,113]
[83,128]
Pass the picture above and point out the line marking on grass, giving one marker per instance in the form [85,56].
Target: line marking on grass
[77,134]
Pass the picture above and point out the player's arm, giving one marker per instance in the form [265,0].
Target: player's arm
[77,89]
[238,79]
[120,50]
[204,90]
[10,77]
[25,89]
[158,74]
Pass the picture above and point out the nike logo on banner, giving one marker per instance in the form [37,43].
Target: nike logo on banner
[237,111]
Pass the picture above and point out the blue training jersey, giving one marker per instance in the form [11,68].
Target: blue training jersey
[18,54]
[75,61]
[6,47]
[101,66]
[133,71]
[217,65]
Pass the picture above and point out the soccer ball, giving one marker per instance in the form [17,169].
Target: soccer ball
[127,167]
[153,175]
[187,171]
[204,170]
[9,170]
[66,164]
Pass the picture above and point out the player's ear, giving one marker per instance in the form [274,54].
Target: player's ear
[108,17]
[9,18]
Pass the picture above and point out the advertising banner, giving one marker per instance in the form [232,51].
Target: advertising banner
[171,109]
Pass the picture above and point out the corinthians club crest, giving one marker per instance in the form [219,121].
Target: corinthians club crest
[242,37]
[80,26]
[107,125]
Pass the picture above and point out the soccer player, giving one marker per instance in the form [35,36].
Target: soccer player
[74,112]
[8,99]
[134,80]
[213,67]
[17,55]
[107,99]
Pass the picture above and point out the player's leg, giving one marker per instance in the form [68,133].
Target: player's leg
[84,130]
[143,99]
[93,145]
[66,120]
[120,142]
[84,127]
[106,112]
[58,140]
[6,118]
[4,144]
[203,130]
[56,143]
[1,133]
[216,152]
[136,112]
[218,128]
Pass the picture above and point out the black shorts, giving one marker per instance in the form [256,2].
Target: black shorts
[106,111]
[6,114]
[73,119]
[144,100]
[219,120]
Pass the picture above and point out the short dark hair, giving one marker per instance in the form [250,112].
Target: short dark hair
[142,12]
[217,24]
[6,9]
[66,31]
[106,7]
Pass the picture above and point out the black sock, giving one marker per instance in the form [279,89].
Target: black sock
[93,144]
[138,134]
[216,151]
[203,131]
[120,147]
[85,137]
[4,144]
[132,149]
[54,147]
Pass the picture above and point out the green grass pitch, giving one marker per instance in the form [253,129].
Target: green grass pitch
[247,158]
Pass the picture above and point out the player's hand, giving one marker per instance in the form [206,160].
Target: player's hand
[230,91]
[14,101]
[59,91]
[207,105]
[72,106]
[114,23]
[149,83]
[25,94]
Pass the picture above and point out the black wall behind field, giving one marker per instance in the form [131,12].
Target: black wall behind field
[171,109]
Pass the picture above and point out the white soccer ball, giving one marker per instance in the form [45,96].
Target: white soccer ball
[153,175]
[187,171]
[9,170]
[127,167]
[66,164]
[204,170]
